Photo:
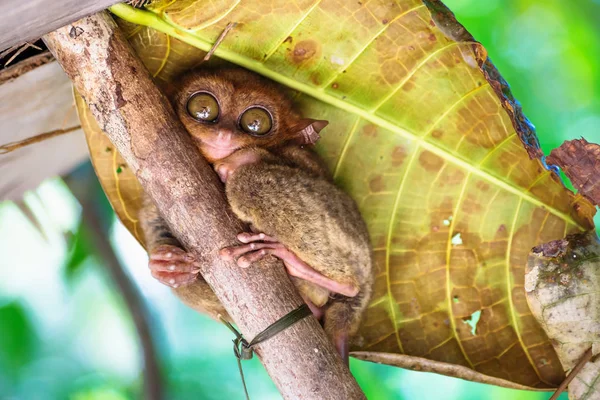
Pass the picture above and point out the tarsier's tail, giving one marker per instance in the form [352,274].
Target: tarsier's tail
[342,318]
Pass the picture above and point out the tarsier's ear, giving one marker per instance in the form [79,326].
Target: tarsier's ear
[308,130]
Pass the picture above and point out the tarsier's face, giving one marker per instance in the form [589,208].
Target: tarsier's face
[230,109]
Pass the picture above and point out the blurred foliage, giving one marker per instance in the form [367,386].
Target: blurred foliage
[70,338]
[18,339]
[80,249]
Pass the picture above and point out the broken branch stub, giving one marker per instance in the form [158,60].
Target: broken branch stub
[142,125]
[562,284]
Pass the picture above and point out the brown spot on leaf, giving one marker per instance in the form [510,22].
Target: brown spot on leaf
[432,37]
[471,205]
[430,161]
[398,156]
[456,177]
[335,85]
[315,78]
[305,50]
[481,185]
[437,133]
[370,130]
[288,39]
[408,86]
[376,184]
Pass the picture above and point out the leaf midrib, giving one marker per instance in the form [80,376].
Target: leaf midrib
[190,37]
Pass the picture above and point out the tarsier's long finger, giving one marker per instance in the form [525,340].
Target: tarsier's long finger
[234,252]
[298,268]
[247,237]
[168,252]
[174,266]
[174,280]
[250,258]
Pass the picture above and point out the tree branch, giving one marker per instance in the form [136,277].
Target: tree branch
[144,128]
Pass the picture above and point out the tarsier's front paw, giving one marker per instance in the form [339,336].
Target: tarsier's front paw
[224,170]
[173,266]
[258,245]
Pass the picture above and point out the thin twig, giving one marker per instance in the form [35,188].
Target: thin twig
[9,50]
[85,187]
[229,27]
[24,66]
[31,217]
[587,356]
[19,51]
[7,148]
[139,3]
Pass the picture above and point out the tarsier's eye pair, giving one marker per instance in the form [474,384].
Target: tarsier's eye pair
[203,107]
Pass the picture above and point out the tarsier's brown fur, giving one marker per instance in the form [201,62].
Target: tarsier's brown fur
[285,192]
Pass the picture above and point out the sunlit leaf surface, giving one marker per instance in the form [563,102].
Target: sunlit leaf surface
[421,139]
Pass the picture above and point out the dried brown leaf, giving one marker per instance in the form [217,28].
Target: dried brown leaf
[428,140]
[580,160]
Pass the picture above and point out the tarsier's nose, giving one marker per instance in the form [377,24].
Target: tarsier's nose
[224,136]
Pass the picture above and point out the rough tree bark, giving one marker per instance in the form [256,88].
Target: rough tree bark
[144,128]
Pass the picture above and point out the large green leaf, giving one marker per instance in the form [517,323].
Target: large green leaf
[427,138]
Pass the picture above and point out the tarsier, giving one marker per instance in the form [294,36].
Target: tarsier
[260,147]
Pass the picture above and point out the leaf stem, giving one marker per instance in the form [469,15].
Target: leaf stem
[587,356]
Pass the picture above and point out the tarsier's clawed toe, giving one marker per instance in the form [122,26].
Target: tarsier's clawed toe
[173,266]
[248,237]
[246,255]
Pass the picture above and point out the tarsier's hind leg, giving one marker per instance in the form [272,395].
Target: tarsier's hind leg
[259,245]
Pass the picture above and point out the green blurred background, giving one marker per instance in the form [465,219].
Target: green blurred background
[65,332]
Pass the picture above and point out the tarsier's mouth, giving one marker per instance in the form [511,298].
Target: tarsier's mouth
[214,152]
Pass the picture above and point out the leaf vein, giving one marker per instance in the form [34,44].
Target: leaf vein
[448,285]
[280,42]
[369,42]
[388,246]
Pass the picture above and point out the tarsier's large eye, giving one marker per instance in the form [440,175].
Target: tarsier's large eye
[256,121]
[203,106]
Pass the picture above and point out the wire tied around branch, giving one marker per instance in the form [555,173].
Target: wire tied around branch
[243,349]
